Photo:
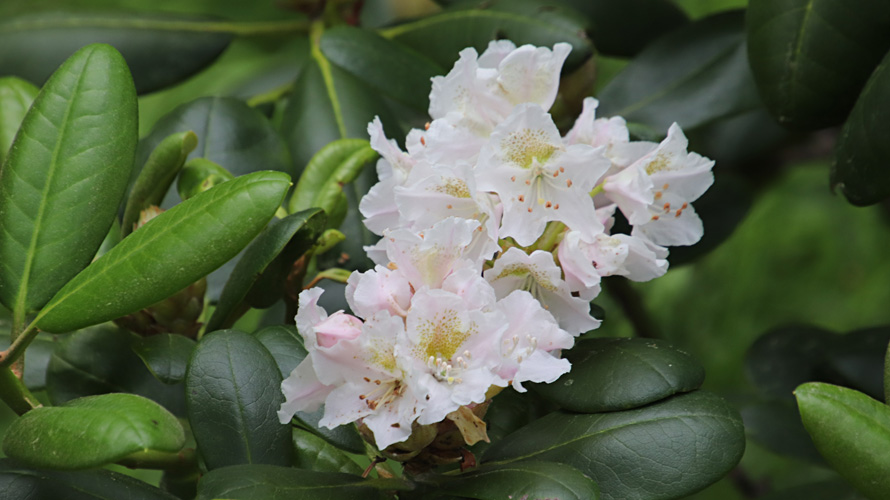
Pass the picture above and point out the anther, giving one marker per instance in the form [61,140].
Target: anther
[422,140]
[562,169]
[569,183]
[426,126]
[521,198]
[528,182]
[556,207]
[667,207]
[529,209]
[513,178]
[548,204]
[654,217]
[448,206]
[665,186]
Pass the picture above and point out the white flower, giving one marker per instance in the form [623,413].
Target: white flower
[378,289]
[531,344]
[655,192]
[537,177]
[540,276]
[378,205]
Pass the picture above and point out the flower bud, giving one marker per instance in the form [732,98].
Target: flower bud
[337,327]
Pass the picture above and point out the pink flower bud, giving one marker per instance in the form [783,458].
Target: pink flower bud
[337,327]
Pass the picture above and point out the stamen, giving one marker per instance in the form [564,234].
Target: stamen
[448,206]
[528,182]
[562,169]
[426,126]
[513,178]
[529,209]
[521,198]
[422,141]
[667,207]
[569,183]
[556,207]
[654,217]
[548,204]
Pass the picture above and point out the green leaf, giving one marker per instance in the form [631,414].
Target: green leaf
[518,480]
[92,431]
[169,253]
[53,221]
[233,394]
[852,432]
[776,425]
[327,104]
[822,490]
[350,253]
[692,76]
[264,482]
[160,49]
[886,375]
[509,411]
[473,24]
[860,168]
[157,175]
[230,134]
[293,236]
[16,96]
[623,29]
[199,175]
[345,437]
[810,59]
[21,483]
[314,453]
[388,67]
[611,374]
[857,360]
[665,450]
[322,181]
[786,357]
[166,355]
[100,360]
[285,345]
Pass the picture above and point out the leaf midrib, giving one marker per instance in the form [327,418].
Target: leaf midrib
[21,298]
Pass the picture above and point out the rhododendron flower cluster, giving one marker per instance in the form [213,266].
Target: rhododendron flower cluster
[496,231]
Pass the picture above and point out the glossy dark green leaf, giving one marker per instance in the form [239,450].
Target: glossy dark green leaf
[822,490]
[776,426]
[474,23]
[611,374]
[314,453]
[100,360]
[199,175]
[860,169]
[692,76]
[810,59]
[665,450]
[345,437]
[160,49]
[390,68]
[18,482]
[324,178]
[784,358]
[16,96]
[264,482]
[852,432]
[92,431]
[230,133]
[350,253]
[624,28]
[157,175]
[53,221]
[327,104]
[169,253]
[166,355]
[886,375]
[511,410]
[518,480]
[233,394]
[293,235]
[857,360]
[285,345]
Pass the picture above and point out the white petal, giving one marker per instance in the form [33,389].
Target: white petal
[302,391]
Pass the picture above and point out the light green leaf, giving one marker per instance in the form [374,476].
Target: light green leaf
[169,253]
[518,480]
[619,374]
[811,58]
[264,482]
[78,139]
[157,175]
[92,431]
[289,238]
[160,49]
[852,432]
[322,181]
[692,76]
[199,175]
[16,96]
[21,483]
[390,68]
[166,355]
[233,394]
[666,450]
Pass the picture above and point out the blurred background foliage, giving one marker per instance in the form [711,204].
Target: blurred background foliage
[799,255]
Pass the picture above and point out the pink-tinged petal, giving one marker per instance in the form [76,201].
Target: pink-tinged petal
[427,257]
[302,391]
[379,289]
[608,132]
[540,367]
[379,207]
[338,326]
[581,275]
[347,403]
[495,53]
[673,224]
[632,190]
[469,285]
[645,260]
[309,314]
[399,162]
[453,92]
[436,193]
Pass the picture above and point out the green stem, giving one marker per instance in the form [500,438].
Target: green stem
[14,393]
[20,341]
[234,28]
[597,190]
[184,460]
[271,96]
[551,237]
